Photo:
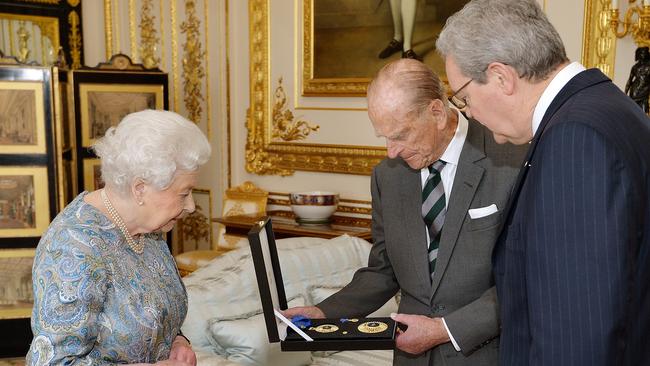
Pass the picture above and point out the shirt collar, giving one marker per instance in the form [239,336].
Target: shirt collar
[553,89]
[452,152]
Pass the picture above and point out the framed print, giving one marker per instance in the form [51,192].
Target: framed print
[24,201]
[103,106]
[102,96]
[92,175]
[16,296]
[16,302]
[22,119]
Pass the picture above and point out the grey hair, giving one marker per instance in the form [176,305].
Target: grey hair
[513,32]
[416,83]
[151,145]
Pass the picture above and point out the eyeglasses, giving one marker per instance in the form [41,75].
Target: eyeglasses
[459,103]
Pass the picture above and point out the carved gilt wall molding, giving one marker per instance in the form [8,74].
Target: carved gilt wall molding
[598,42]
[148,37]
[264,156]
[285,126]
[74,38]
[108,28]
[193,71]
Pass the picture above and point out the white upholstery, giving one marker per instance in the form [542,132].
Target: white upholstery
[224,318]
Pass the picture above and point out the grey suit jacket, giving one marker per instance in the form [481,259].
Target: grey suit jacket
[463,288]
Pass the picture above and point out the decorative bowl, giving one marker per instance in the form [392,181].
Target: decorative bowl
[313,207]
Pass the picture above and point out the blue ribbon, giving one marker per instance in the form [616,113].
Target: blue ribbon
[301,321]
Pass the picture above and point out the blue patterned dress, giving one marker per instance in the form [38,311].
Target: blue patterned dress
[97,302]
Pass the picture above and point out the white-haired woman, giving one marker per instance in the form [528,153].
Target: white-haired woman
[106,289]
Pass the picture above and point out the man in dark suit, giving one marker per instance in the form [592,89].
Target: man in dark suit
[572,264]
[448,303]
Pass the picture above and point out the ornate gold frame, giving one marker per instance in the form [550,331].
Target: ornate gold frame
[17,312]
[348,87]
[86,88]
[598,42]
[41,200]
[264,156]
[39,147]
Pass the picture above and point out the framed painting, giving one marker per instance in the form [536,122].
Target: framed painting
[194,232]
[92,173]
[16,296]
[22,119]
[102,96]
[16,302]
[280,142]
[104,106]
[344,47]
[24,201]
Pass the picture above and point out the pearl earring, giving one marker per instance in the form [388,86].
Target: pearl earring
[140,203]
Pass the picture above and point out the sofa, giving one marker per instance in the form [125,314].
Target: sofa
[225,322]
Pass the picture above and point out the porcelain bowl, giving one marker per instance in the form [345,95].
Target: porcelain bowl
[314,206]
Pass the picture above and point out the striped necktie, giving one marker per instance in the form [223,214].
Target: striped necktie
[433,210]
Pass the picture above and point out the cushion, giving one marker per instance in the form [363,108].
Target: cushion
[227,286]
[245,341]
[320,293]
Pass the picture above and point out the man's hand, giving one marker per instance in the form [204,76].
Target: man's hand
[310,312]
[423,333]
[182,351]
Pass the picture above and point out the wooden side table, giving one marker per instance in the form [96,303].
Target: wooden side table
[285,226]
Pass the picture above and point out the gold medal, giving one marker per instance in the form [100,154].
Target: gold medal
[325,328]
[372,327]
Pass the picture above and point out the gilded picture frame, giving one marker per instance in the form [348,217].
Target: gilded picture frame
[103,106]
[16,296]
[22,117]
[92,176]
[24,201]
[341,47]
[267,118]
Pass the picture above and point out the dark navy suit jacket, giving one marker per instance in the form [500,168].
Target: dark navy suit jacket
[571,265]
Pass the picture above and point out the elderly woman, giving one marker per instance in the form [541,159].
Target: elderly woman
[106,289]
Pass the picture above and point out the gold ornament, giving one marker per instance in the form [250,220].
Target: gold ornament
[325,328]
[372,327]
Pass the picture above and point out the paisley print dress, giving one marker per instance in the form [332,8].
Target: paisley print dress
[97,302]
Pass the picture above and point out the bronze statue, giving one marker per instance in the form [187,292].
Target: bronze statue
[638,84]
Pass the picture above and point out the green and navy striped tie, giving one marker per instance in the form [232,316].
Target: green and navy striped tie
[433,210]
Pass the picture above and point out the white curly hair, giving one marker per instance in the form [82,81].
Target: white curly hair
[151,145]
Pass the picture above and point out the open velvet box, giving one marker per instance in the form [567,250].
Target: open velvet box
[322,334]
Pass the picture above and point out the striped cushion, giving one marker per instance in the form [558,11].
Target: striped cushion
[227,287]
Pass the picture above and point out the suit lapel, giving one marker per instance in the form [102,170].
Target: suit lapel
[410,207]
[466,181]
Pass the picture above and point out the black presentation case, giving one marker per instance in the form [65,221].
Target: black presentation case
[344,334]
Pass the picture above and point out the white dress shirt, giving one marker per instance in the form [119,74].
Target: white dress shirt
[559,81]
[447,174]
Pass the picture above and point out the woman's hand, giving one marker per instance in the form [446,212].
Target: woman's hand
[182,351]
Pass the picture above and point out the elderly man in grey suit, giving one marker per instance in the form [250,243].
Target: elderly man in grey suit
[436,211]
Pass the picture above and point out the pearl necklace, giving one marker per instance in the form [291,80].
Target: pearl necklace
[138,246]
